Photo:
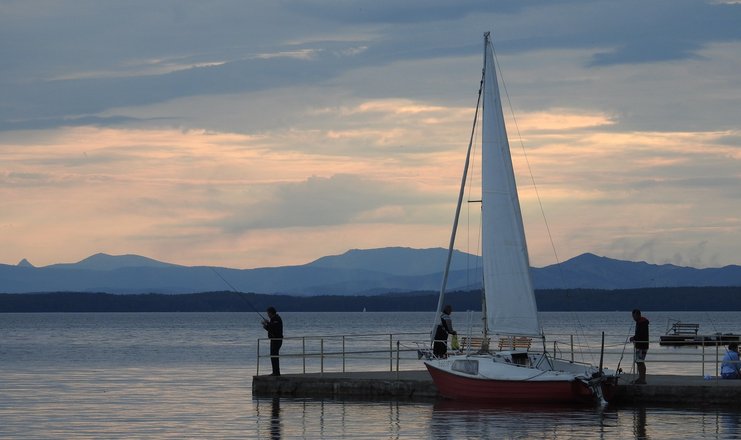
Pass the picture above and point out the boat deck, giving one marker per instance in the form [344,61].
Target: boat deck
[417,386]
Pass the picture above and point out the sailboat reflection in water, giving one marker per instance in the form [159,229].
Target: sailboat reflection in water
[512,373]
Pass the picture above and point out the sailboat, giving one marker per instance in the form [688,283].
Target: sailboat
[512,373]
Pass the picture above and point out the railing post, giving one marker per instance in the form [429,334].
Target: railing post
[257,372]
[343,353]
[303,351]
[321,355]
[398,355]
[391,352]
[703,360]
[572,347]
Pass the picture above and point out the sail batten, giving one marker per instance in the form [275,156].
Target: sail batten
[510,299]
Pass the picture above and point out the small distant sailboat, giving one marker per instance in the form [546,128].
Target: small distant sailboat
[513,373]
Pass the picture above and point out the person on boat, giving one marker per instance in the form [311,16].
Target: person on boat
[445,328]
[274,326]
[640,342]
[729,369]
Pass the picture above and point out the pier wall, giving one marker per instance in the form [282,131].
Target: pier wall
[418,386]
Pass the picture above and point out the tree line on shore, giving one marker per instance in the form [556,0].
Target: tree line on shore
[664,299]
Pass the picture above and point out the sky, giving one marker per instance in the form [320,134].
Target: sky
[252,134]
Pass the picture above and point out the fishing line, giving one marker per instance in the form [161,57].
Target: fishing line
[712,322]
[238,293]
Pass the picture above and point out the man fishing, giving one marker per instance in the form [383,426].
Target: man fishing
[274,326]
[640,342]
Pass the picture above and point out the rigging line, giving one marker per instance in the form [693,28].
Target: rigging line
[237,292]
[478,267]
[532,179]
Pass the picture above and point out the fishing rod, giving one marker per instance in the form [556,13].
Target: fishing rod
[627,339]
[238,293]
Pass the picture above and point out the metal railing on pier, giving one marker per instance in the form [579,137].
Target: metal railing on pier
[401,351]
[341,353]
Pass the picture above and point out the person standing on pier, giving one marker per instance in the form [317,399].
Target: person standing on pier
[274,326]
[445,328]
[640,342]
[730,367]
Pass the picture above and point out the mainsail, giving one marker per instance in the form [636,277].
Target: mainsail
[509,295]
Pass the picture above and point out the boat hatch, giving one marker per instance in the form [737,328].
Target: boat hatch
[468,366]
[519,358]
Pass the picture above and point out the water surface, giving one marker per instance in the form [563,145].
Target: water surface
[188,375]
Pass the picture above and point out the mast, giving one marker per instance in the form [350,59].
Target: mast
[456,217]
[484,308]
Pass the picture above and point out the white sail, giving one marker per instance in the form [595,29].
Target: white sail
[509,296]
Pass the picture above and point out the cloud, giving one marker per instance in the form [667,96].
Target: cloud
[661,33]
[81,121]
[559,119]
[412,11]
[631,32]
[153,65]
[157,126]
[335,200]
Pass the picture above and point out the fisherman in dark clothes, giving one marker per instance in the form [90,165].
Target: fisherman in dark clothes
[274,326]
[640,342]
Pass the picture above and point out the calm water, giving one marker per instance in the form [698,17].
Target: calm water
[179,375]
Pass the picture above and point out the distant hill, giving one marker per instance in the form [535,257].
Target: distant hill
[665,299]
[110,262]
[356,272]
[397,261]
[589,271]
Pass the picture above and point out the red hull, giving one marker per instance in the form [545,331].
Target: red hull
[471,389]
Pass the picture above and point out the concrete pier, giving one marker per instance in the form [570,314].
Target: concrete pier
[418,386]
[382,385]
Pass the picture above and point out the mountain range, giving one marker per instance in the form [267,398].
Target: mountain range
[356,272]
